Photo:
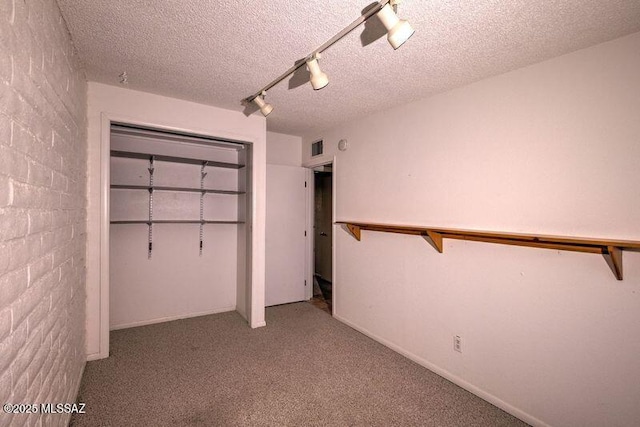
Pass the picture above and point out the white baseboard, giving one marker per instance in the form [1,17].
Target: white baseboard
[95,356]
[169,319]
[449,376]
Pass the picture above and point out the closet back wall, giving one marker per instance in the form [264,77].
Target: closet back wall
[176,281]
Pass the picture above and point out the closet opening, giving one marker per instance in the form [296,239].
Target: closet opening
[179,211]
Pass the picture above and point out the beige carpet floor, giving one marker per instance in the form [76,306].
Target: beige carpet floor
[303,369]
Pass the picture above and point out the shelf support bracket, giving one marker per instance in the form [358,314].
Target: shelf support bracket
[354,230]
[613,256]
[203,174]
[435,239]
[151,170]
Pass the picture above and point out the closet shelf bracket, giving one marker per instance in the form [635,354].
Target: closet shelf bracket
[151,169]
[203,175]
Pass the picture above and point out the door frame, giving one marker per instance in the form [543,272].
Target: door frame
[310,221]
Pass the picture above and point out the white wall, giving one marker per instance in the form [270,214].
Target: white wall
[553,148]
[284,149]
[42,211]
[109,103]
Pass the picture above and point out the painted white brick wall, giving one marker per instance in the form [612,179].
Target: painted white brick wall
[42,210]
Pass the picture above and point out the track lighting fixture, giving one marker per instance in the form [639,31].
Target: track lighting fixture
[398,32]
[318,78]
[265,108]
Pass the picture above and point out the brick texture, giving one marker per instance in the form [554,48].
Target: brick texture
[42,210]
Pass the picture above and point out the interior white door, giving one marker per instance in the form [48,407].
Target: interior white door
[285,234]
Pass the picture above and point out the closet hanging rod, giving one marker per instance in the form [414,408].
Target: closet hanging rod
[301,62]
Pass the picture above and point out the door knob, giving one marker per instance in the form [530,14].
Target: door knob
[323,233]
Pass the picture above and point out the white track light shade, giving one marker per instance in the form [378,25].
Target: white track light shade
[398,30]
[318,78]
[265,108]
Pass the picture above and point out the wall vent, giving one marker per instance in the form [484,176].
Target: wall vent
[316,148]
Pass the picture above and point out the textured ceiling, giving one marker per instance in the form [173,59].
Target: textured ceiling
[218,54]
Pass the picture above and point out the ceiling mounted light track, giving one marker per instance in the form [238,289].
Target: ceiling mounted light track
[398,32]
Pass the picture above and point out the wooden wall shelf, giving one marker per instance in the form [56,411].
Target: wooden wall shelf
[610,249]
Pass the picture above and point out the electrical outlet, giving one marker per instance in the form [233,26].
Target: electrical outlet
[457,343]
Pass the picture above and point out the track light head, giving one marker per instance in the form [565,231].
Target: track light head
[318,78]
[265,108]
[398,30]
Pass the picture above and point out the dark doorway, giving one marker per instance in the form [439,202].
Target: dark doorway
[323,236]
